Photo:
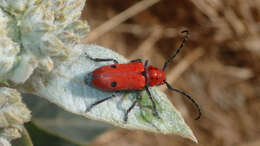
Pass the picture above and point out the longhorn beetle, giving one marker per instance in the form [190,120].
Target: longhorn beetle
[134,76]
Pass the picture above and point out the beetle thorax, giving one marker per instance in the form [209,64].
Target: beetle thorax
[155,76]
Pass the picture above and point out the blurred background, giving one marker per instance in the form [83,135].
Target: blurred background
[219,65]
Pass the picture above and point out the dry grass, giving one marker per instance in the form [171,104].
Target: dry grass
[219,65]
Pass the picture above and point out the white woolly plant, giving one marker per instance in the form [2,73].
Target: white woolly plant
[40,53]
[13,113]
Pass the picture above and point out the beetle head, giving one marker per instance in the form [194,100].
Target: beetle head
[155,76]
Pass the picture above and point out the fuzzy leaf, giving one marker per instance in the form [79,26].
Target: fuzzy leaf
[4,142]
[65,87]
[34,34]
[25,140]
[13,114]
[64,124]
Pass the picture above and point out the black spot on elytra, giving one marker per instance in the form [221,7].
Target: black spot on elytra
[143,73]
[113,84]
[113,66]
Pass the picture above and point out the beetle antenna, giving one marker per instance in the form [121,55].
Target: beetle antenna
[178,50]
[186,95]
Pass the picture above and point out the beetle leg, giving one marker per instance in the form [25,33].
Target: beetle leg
[146,63]
[155,112]
[100,101]
[136,60]
[138,97]
[102,59]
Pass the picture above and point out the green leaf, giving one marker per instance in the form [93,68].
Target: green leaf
[66,87]
[65,124]
[42,137]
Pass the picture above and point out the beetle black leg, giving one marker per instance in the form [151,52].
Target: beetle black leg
[155,112]
[138,97]
[102,59]
[146,64]
[136,60]
[100,101]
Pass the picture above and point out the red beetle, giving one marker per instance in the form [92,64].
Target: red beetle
[133,76]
